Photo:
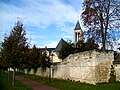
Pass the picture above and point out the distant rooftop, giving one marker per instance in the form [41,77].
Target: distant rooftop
[48,49]
[58,47]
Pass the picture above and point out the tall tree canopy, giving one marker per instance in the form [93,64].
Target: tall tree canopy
[102,18]
[13,48]
[14,45]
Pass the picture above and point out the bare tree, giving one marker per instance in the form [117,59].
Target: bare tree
[102,18]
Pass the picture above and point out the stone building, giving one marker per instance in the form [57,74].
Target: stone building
[78,33]
[89,66]
[53,53]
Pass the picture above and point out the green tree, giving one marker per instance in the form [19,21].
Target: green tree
[44,60]
[112,75]
[46,63]
[102,18]
[34,58]
[27,63]
[89,45]
[79,44]
[24,59]
[3,65]
[2,62]
[65,51]
[13,47]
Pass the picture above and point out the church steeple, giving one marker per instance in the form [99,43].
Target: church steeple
[77,27]
[78,33]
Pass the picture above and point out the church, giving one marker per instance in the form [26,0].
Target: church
[89,66]
[53,52]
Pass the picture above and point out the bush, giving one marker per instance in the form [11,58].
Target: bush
[112,75]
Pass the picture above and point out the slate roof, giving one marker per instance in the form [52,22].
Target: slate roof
[48,49]
[77,27]
[58,47]
[60,44]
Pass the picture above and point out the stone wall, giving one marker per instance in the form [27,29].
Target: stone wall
[117,71]
[102,67]
[39,72]
[89,67]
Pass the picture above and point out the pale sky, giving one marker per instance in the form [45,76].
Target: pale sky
[45,21]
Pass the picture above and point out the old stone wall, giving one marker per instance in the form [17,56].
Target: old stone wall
[39,72]
[89,67]
[102,67]
[61,71]
[117,71]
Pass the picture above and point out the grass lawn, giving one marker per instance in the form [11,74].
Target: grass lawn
[69,85]
[7,85]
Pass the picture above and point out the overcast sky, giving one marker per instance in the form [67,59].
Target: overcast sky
[45,21]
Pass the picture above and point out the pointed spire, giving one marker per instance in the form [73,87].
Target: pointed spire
[77,27]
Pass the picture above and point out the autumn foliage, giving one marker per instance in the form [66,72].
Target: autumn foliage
[101,18]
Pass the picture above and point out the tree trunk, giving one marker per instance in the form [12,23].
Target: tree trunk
[107,21]
[13,82]
[50,73]
[27,71]
[2,70]
[34,73]
[103,42]
[102,31]
[8,74]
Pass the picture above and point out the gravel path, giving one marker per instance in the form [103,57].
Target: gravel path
[34,84]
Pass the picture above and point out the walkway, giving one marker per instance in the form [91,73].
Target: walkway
[34,84]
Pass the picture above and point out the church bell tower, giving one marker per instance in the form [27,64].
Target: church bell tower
[78,33]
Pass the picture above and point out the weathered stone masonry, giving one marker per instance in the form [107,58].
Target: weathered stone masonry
[89,67]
